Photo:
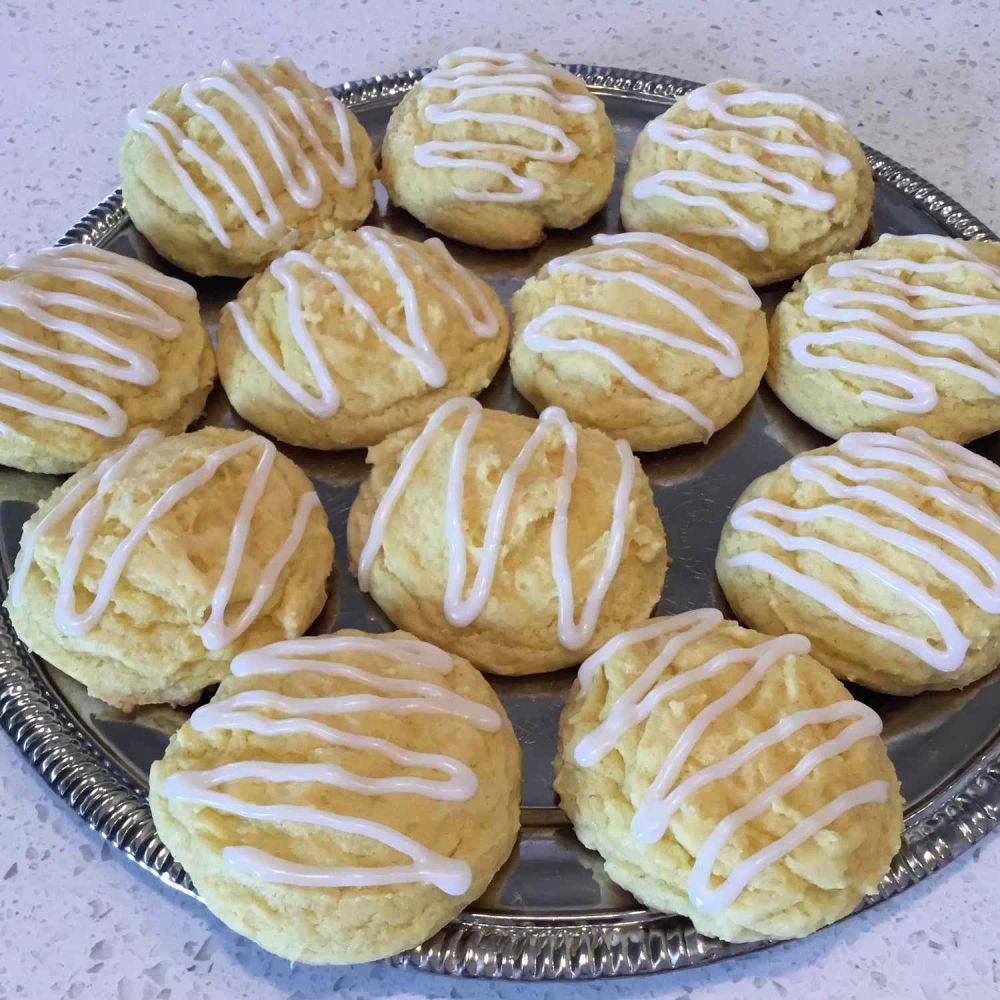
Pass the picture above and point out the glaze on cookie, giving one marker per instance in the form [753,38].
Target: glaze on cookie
[472,532]
[768,182]
[493,147]
[314,808]
[883,549]
[144,574]
[94,348]
[224,173]
[726,775]
[905,333]
[640,336]
[357,336]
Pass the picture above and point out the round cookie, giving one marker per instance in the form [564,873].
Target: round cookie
[94,348]
[493,148]
[314,809]
[641,337]
[356,336]
[728,776]
[225,173]
[519,544]
[144,574]
[905,333]
[770,183]
[883,549]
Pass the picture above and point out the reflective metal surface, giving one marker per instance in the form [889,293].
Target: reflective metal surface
[551,912]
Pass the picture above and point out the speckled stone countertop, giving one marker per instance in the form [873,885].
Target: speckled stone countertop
[76,919]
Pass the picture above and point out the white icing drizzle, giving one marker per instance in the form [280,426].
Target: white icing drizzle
[722,351]
[260,98]
[846,306]
[473,74]
[781,185]
[907,457]
[121,277]
[461,611]
[288,716]
[667,794]
[444,272]
[215,633]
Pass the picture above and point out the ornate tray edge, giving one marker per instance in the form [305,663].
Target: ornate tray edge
[482,946]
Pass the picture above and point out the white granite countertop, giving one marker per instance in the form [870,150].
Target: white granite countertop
[76,919]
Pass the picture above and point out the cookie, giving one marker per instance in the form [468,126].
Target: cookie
[314,808]
[770,183]
[145,573]
[493,148]
[519,544]
[356,336]
[94,348]
[905,333]
[641,337]
[225,173]
[883,549]
[728,776]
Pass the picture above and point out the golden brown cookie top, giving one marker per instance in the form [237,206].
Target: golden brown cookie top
[540,114]
[196,528]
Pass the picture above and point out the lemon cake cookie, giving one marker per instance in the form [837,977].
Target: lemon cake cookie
[493,148]
[313,805]
[905,333]
[768,182]
[883,549]
[225,173]
[356,336]
[728,776]
[519,544]
[94,348]
[641,337]
[145,573]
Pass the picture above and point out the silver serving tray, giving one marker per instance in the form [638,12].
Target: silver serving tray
[551,913]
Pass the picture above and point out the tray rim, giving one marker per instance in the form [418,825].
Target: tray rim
[498,946]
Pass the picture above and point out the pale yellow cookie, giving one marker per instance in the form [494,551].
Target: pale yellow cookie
[97,347]
[641,337]
[496,568]
[225,173]
[493,148]
[672,765]
[357,336]
[883,549]
[770,183]
[185,551]
[346,808]
[905,333]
